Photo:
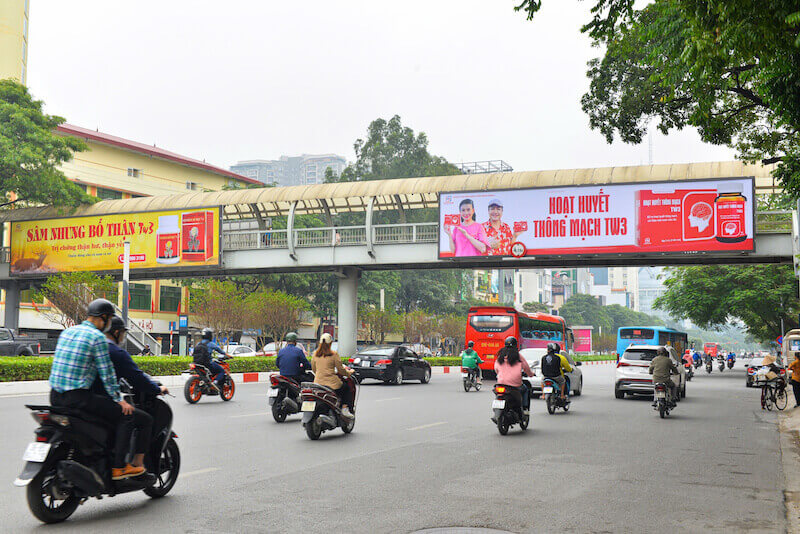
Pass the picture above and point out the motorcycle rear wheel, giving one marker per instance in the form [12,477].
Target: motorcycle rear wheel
[170,462]
[278,414]
[51,512]
[502,426]
[467,386]
[313,429]
[551,407]
[662,409]
[191,390]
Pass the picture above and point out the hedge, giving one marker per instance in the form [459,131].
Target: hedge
[595,357]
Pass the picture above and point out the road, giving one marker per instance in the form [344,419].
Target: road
[426,456]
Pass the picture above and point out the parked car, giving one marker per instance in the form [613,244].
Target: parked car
[534,359]
[10,345]
[240,350]
[390,364]
[632,375]
[271,349]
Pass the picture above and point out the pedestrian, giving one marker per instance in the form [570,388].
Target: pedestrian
[794,367]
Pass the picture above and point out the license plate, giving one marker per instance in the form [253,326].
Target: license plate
[308,406]
[548,389]
[498,404]
[661,395]
[365,364]
[36,452]
[272,392]
[464,375]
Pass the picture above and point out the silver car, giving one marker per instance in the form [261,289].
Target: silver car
[632,374]
[534,359]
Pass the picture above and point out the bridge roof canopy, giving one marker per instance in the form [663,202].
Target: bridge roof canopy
[408,193]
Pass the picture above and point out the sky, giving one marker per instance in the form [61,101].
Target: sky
[246,79]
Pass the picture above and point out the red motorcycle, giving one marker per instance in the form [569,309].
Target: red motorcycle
[322,410]
[284,396]
[201,382]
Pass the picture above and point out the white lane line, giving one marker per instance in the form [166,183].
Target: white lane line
[23,395]
[199,472]
[250,415]
[390,398]
[427,426]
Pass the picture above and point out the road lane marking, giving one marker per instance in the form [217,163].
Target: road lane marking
[199,472]
[250,415]
[390,398]
[427,426]
[23,395]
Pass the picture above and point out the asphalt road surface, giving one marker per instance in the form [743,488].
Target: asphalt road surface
[427,456]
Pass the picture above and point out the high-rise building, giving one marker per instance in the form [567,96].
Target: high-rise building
[14,39]
[533,285]
[568,282]
[650,288]
[616,285]
[291,170]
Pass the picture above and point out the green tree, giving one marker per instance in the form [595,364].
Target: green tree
[31,152]
[379,323]
[219,304]
[583,309]
[711,296]
[274,312]
[535,307]
[731,69]
[70,295]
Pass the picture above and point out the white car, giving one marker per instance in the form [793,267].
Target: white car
[271,349]
[534,359]
[239,350]
[632,374]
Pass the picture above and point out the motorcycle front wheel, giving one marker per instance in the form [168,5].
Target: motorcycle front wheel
[348,427]
[526,419]
[167,473]
[191,390]
[228,389]
[41,502]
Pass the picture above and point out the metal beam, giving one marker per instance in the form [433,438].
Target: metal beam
[290,231]
[370,248]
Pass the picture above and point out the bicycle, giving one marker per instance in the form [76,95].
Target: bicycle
[773,393]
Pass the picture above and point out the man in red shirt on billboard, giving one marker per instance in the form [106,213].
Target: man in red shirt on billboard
[499,233]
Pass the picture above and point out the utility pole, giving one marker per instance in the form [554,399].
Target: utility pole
[126,273]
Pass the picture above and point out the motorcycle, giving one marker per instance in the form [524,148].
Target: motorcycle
[200,382]
[469,377]
[663,400]
[552,396]
[730,363]
[507,409]
[284,396]
[698,363]
[689,371]
[322,410]
[71,459]
[709,364]
[721,365]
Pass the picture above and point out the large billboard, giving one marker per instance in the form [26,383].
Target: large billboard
[687,216]
[159,240]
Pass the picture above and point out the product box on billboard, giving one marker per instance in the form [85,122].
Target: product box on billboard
[520,226]
[452,220]
[197,236]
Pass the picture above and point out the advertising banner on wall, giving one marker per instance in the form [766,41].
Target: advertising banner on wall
[159,239]
[689,216]
[583,338]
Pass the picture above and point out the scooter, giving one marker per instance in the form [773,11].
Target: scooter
[507,409]
[689,371]
[469,377]
[552,396]
[721,365]
[201,382]
[663,400]
[70,460]
[698,363]
[284,395]
[709,364]
[730,363]
[322,410]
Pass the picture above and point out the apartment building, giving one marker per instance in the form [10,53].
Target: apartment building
[291,170]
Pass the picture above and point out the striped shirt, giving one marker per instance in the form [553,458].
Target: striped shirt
[81,355]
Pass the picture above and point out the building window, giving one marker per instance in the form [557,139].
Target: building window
[169,298]
[134,173]
[191,186]
[108,194]
[29,295]
[140,295]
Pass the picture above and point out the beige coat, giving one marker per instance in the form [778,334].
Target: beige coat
[328,369]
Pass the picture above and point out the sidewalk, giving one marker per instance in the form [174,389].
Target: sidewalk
[789,424]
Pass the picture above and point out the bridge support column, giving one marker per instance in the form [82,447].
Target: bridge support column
[11,310]
[348,310]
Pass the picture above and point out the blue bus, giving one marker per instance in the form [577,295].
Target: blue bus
[651,335]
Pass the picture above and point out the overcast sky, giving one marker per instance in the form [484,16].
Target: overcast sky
[235,80]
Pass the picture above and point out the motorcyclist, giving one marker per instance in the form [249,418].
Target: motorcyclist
[696,357]
[509,367]
[661,367]
[81,355]
[732,356]
[126,368]
[471,361]
[202,355]
[554,365]
[292,362]
[329,370]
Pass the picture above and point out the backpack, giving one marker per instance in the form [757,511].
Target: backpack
[201,354]
[551,365]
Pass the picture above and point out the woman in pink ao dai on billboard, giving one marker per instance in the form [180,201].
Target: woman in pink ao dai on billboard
[468,238]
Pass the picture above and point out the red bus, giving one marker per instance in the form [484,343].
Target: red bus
[711,349]
[489,326]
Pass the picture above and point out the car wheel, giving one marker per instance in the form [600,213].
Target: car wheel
[619,394]
[398,377]
[683,392]
[426,376]
[577,392]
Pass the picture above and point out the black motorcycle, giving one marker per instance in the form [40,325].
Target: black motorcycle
[322,409]
[730,363]
[721,362]
[71,459]
[284,396]
[508,409]
[709,365]
[663,400]
[552,396]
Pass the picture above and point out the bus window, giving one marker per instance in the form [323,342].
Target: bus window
[664,338]
[636,333]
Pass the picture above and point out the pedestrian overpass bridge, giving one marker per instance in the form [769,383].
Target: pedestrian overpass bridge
[269,229]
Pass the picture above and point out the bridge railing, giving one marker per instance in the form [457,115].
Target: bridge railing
[774,222]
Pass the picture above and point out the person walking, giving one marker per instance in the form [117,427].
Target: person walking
[794,367]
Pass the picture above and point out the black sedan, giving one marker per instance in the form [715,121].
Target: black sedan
[390,364]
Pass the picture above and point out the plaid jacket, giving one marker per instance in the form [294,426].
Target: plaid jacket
[81,355]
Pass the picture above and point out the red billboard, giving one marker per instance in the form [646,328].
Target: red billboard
[583,338]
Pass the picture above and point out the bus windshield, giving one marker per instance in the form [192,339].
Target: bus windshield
[491,323]
[636,333]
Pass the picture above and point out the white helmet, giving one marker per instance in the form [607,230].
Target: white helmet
[326,338]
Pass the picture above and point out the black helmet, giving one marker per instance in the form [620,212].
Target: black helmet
[511,342]
[553,347]
[662,351]
[207,334]
[471,344]
[117,325]
[99,308]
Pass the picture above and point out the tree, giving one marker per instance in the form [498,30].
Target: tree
[583,309]
[274,312]
[535,307]
[70,295]
[379,323]
[31,152]
[220,306]
[604,342]
[417,325]
[452,328]
[711,296]
[731,69]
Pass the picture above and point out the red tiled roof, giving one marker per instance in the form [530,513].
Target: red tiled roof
[100,137]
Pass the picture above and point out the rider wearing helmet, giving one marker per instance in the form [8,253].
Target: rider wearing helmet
[81,356]
[329,371]
[471,361]
[509,367]
[554,364]
[661,367]
[202,356]
[292,362]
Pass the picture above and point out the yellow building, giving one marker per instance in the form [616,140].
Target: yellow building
[112,168]
[14,39]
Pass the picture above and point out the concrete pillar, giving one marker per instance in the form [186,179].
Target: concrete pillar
[11,311]
[348,310]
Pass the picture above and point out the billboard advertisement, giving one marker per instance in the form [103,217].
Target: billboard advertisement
[583,338]
[159,239]
[687,216]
